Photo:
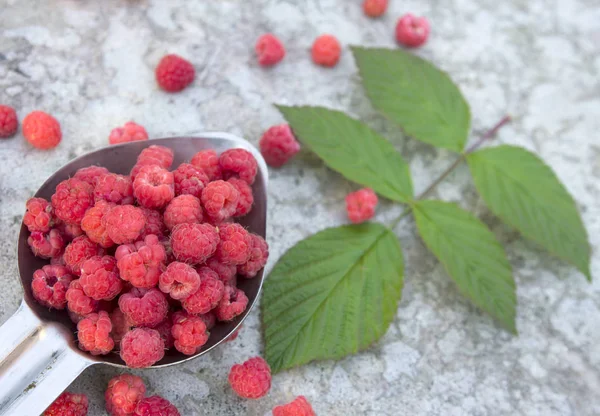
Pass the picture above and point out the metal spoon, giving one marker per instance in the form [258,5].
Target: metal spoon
[39,356]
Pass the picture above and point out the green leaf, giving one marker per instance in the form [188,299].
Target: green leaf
[353,149]
[415,94]
[332,294]
[471,255]
[524,192]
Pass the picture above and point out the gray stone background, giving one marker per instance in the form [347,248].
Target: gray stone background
[90,64]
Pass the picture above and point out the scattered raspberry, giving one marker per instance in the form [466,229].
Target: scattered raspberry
[299,407]
[375,8]
[124,223]
[142,347]
[412,31]
[8,122]
[189,179]
[123,394]
[269,50]
[91,174]
[93,224]
[361,205]
[208,295]
[78,302]
[153,186]
[154,224]
[245,199]
[179,280]
[50,284]
[68,404]
[234,244]
[326,51]
[93,333]
[259,253]
[183,209]
[121,325]
[164,329]
[130,132]
[71,199]
[38,215]
[141,263]
[114,188]
[278,145]
[234,336]
[232,304]
[252,379]
[226,272]
[80,249]
[189,333]
[100,278]
[174,73]
[194,243]
[144,307]
[155,406]
[220,200]
[46,245]
[208,162]
[70,231]
[238,162]
[41,130]
[210,320]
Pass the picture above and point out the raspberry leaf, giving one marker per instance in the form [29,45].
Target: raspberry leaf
[412,92]
[331,295]
[353,149]
[471,255]
[522,190]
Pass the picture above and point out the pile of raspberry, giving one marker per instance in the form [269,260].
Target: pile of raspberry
[148,262]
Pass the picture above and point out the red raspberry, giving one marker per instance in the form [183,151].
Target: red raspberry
[375,8]
[208,161]
[78,302]
[189,179]
[153,187]
[183,209]
[91,174]
[174,73]
[208,295]
[157,155]
[41,130]
[68,404]
[234,336]
[234,244]
[412,31]
[50,284]
[194,243]
[93,333]
[100,278]
[278,145]
[70,231]
[326,51]
[238,162]
[93,224]
[72,198]
[220,200]
[144,307]
[189,333]
[130,132]
[269,50]
[38,215]
[154,224]
[141,263]
[142,347]
[123,394]
[124,223]
[361,205]
[179,280]
[232,304]
[114,188]
[245,199]
[259,253]
[210,320]
[155,406]
[121,325]
[299,407]
[226,272]
[8,122]
[252,379]
[80,249]
[164,329]
[46,245]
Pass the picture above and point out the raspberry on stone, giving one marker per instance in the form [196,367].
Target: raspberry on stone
[240,163]
[194,243]
[100,278]
[117,189]
[46,245]
[78,251]
[210,320]
[361,205]
[412,31]
[233,303]
[38,215]
[123,394]
[153,187]
[174,73]
[124,223]
[144,307]
[189,179]
[68,404]
[179,280]
[234,244]
[49,286]
[226,272]
[142,347]
[93,333]
[155,406]
[189,333]
[298,407]
[154,224]
[130,132]
[245,199]
[91,174]
[183,209]
[220,200]
[8,122]
[94,226]
[121,325]
[208,295]
[375,8]
[141,263]
[72,199]
[278,145]
[326,51]
[252,379]
[164,329]
[41,130]
[259,253]
[269,50]
[208,162]
[78,302]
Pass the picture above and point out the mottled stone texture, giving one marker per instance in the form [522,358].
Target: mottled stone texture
[90,64]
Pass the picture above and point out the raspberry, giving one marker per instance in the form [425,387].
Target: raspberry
[155,406]
[226,272]
[220,200]
[375,8]
[174,73]
[130,132]
[124,223]
[278,145]
[114,188]
[183,209]
[232,304]
[299,407]
[8,122]
[245,199]
[93,333]
[189,333]
[252,379]
[208,162]
[70,231]
[38,215]
[189,179]
[164,329]
[57,260]
[157,155]
[123,394]
[326,51]
[412,31]
[142,347]
[154,224]
[234,244]
[238,162]
[208,295]
[153,186]
[41,130]
[100,278]
[259,253]
[121,325]
[68,404]
[234,336]
[269,50]
[141,263]
[91,174]
[71,199]
[93,224]
[78,302]
[50,284]
[46,245]
[194,243]
[179,280]
[210,319]
[144,307]
[361,205]
[80,249]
